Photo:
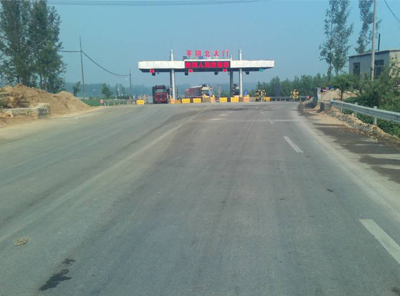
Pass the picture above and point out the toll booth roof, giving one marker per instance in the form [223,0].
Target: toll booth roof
[206,65]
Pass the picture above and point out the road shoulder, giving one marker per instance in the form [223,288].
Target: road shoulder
[374,164]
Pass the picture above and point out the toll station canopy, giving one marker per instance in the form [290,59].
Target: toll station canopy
[208,64]
[205,65]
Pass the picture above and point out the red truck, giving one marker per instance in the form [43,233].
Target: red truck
[160,94]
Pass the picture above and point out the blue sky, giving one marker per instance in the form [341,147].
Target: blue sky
[288,32]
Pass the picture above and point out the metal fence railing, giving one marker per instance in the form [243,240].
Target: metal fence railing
[301,98]
[373,112]
[116,102]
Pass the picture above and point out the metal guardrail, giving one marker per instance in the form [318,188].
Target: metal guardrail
[373,112]
[301,98]
[115,102]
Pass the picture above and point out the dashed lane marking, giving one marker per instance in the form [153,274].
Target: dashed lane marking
[383,238]
[294,146]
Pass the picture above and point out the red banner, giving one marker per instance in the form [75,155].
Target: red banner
[208,65]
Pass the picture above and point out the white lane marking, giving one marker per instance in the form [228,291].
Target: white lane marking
[216,119]
[390,166]
[294,146]
[386,241]
[270,121]
[383,156]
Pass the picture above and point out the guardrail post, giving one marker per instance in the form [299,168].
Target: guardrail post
[375,119]
[341,110]
[355,113]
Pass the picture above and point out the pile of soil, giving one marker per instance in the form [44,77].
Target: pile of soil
[21,96]
[334,94]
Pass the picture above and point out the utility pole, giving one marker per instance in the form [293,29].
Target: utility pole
[130,83]
[83,75]
[373,45]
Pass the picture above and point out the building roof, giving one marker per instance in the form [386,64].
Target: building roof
[376,52]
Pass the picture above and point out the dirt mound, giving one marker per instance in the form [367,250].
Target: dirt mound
[334,94]
[21,96]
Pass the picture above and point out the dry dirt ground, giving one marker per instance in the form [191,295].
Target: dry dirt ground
[335,95]
[21,96]
[369,145]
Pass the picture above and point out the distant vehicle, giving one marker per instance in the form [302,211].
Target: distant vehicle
[160,94]
[235,90]
[199,91]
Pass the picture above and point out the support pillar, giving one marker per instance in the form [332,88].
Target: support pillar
[231,83]
[172,84]
[240,77]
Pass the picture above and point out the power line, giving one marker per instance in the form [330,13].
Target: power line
[149,2]
[98,65]
[69,51]
[78,51]
[394,15]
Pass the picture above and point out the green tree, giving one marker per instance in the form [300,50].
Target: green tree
[76,88]
[343,82]
[286,87]
[367,18]
[320,81]
[306,85]
[16,65]
[327,48]
[335,48]
[44,31]
[342,34]
[106,91]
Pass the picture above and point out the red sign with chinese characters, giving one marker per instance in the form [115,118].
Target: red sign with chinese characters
[217,65]
[207,53]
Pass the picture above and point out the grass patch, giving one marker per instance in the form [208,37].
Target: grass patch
[95,102]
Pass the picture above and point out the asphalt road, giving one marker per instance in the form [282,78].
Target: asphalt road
[229,199]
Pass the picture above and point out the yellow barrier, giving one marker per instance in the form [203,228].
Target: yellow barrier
[196,100]
[185,101]
[235,100]
[246,99]
[223,100]
[267,99]
[139,102]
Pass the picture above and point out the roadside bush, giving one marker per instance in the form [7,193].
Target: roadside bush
[383,92]
[344,82]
